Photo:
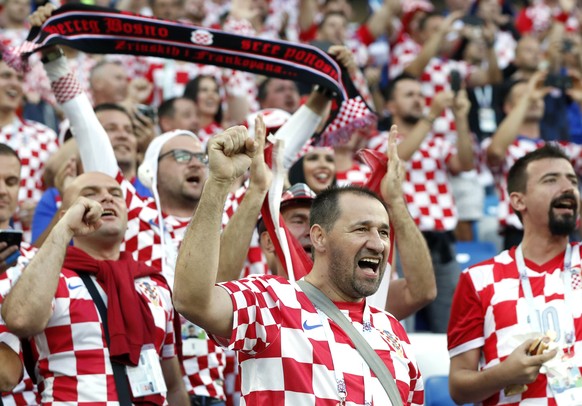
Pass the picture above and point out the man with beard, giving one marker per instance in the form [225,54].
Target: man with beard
[290,353]
[503,303]
[429,160]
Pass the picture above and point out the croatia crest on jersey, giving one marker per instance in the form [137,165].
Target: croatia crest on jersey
[151,292]
[392,341]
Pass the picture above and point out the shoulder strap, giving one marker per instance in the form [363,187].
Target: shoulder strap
[373,360]
[119,374]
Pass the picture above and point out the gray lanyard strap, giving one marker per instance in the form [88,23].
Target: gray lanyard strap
[373,360]
[534,319]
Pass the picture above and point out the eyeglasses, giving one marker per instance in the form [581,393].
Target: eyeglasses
[182,156]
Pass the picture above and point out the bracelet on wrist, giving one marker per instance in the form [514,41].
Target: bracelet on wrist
[52,55]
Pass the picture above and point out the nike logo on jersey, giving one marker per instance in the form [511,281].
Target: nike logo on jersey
[72,287]
[310,327]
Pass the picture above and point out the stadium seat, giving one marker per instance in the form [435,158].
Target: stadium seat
[471,252]
[436,391]
[490,205]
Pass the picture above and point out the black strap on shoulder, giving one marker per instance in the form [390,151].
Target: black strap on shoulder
[29,361]
[118,369]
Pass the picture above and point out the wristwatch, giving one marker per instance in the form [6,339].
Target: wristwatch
[53,55]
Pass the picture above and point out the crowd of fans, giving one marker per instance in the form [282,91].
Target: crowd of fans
[471,88]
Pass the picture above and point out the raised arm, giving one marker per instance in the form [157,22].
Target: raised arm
[195,295]
[508,130]
[27,308]
[464,160]
[431,47]
[239,229]
[418,288]
[94,146]
[410,144]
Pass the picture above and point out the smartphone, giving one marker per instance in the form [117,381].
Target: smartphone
[558,81]
[473,20]
[147,111]
[455,79]
[567,45]
[11,237]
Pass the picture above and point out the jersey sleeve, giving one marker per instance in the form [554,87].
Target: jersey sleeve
[465,330]
[257,318]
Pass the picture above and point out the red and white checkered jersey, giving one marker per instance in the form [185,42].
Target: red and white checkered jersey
[357,175]
[538,17]
[489,312]
[25,392]
[34,143]
[520,147]
[285,357]
[204,134]
[427,188]
[142,239]
[256,262]
[73,364]
[434,79]
[204,375]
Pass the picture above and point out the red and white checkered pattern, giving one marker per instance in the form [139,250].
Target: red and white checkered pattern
[434,79]
[285,363]
[205,375]
[357,175]
[170,77]
[25,392]
[142,239]
[34,143]
[352,114]
[516,150]
[72,357]
[255,263]
[67,87]
[539,16]
[206,133]
[489,312]
[427,188]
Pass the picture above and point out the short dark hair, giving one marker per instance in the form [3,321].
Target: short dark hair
[167,109]
[6,150]
[517,176]
[111,106]
[389,90]
[193,87]
[325,209]
[101,64]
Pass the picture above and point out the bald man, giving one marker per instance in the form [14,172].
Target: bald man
[52,305]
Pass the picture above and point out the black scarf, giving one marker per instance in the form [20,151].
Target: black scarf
[107,31]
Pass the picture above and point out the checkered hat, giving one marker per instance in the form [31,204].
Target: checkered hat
[299,192]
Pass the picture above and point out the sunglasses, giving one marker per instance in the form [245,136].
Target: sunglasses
[182,156]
